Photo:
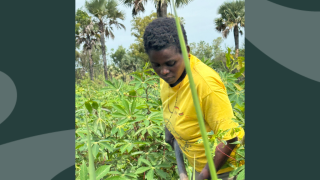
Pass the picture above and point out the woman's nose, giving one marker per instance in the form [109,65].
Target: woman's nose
[164,71]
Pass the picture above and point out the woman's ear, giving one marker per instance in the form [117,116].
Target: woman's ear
[188,49]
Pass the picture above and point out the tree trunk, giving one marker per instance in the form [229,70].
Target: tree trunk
[162,9]
[236,39]
[123,78]
[90,65]
[103,48]
[110,75]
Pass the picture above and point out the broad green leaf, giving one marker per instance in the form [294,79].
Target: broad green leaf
[150,132]
[126,106]
[114,130]
[238,86]
[141,142]
[146,122]
[121,132]
[241,152]
[102,171]
[161,173]
[142,106]
[137,85]
[119,109]
[79,146]
[138,152]
[133,106]
[122,122]
[236,171]
[95,105]
[83,171]
[81,131]
[149,175]
[165,165]
[114,172]
[131,175]
[119,115]
[241,175]
[99,124]
[137,77]
[239,73]
[110,84]
[145,85]
[117,178]
[210,133]
[237,142]
[95,150]
[124,147]
[88,106]
[106,145]
[142,169]
[133,93]
[145,161]
[240,107]
[130,147]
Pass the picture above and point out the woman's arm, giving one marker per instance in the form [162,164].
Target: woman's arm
[219,159]
[169,138]
[180,163]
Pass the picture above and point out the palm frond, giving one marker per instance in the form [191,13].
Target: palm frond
[127,3]
[241,32]
[220,24]
[182,3]
[232,11]
[97,7]
[137,7]
[225,33]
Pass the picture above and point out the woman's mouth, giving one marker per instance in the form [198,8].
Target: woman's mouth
[168,78]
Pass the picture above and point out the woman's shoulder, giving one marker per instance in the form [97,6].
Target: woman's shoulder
[206,77]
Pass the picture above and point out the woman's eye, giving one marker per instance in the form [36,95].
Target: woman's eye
[156,65]
[171,63]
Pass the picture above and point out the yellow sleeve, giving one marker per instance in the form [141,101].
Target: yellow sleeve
[217,111]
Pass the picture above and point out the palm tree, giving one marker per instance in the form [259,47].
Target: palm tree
[161,6]
[107,15]
[232,18]
[89,37]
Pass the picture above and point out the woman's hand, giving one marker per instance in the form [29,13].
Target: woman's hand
[180,162]
[205,174]
[183,177]
[219,159]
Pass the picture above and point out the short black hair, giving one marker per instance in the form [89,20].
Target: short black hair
[162,33]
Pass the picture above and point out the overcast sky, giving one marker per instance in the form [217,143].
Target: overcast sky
[199,18]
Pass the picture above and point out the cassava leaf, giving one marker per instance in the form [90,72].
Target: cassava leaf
[142,169]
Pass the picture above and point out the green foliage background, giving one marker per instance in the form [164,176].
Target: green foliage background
[119,125]
[126,126]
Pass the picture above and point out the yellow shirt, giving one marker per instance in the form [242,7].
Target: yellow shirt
[182,122]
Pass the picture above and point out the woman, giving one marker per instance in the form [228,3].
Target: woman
[182,131]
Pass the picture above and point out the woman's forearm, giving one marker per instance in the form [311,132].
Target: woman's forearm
[220,157]
[169,138]
[180,162]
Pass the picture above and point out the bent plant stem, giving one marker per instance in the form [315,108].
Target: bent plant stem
[92,173]
[195,97]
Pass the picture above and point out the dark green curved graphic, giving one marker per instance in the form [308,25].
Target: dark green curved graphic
[66,174]
[283,112]
[306,5]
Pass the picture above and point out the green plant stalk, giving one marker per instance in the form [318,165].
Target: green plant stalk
[92,173]
[195,97]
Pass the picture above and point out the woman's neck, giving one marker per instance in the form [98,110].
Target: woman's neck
[183,75]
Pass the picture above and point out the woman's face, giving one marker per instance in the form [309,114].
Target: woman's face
[167,63]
